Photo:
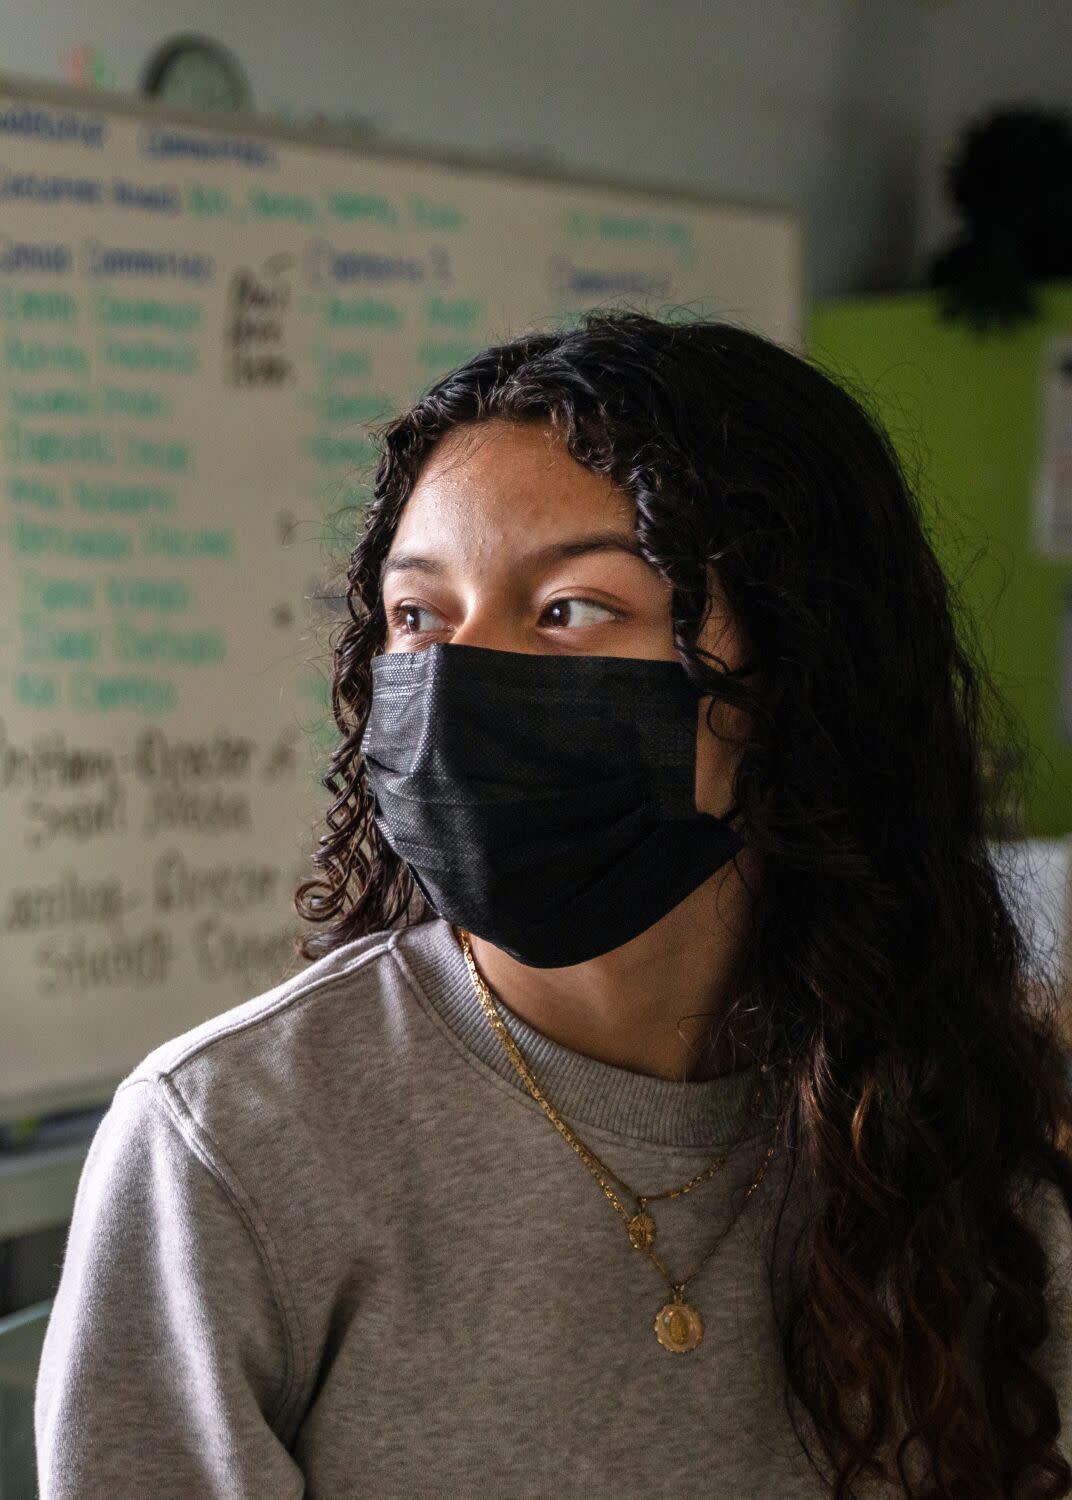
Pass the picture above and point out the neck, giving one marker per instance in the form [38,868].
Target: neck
[660,1004]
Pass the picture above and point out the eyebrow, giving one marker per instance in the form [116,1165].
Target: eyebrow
[577,546]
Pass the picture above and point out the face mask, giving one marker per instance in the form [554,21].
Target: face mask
[545,803]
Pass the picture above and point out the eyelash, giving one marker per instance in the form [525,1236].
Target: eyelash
[396,615]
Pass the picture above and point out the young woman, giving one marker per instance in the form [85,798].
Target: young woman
[662,1111]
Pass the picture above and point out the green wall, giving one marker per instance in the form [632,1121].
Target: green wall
[965,412]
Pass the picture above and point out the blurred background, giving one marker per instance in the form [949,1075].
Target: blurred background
[234,237]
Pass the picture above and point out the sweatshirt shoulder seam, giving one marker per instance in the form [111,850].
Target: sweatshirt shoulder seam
[293,997]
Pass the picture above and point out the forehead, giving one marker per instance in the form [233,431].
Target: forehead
[510,477]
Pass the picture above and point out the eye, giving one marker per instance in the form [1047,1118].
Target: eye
[406,618]
[574,612]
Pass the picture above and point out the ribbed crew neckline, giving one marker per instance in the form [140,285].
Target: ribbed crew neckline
[636,1107]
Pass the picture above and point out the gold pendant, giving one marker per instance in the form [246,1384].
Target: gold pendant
[678,1326]
[642,1230]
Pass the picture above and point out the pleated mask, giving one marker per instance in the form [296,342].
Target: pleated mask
[545,803]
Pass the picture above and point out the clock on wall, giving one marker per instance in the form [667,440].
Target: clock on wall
[195,72]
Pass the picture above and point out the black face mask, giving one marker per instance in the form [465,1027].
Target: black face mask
[545,803]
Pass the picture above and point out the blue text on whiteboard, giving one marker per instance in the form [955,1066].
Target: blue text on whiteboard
[36,188]
[66,127]
[184,145]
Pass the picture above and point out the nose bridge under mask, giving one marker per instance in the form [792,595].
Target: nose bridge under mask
[537,720]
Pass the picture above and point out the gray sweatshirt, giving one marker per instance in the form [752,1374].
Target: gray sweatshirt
[328,1245]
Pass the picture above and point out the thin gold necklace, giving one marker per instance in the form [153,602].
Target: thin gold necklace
[678,1325]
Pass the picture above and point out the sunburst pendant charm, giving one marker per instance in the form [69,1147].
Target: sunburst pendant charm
[642,1230]
[678,1327]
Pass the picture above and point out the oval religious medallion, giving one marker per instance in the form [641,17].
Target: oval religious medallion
[642,1230]
[678,1327]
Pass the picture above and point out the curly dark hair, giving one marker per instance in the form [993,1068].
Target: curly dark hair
[928,1097]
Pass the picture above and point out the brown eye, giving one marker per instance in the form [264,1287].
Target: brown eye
[573,612]
[414,619]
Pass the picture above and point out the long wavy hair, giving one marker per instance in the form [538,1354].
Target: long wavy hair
[928,1096]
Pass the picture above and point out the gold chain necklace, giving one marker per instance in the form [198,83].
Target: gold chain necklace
[678,1325]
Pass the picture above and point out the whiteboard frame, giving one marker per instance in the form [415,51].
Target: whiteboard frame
[503,165]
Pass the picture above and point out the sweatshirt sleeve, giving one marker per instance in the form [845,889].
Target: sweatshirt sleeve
[169,1348]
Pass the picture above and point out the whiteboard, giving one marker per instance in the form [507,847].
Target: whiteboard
[201,321]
